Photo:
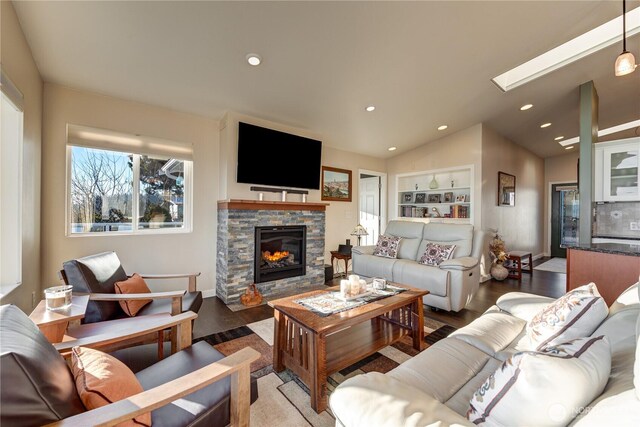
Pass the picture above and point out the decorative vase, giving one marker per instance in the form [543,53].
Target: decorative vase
[499,271]
[433,184]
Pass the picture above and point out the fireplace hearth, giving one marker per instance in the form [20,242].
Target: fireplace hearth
[280,252]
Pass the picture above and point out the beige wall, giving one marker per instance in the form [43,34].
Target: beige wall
[187,252]
[559,169]
[18,64]
[520,226]
[461,148]
[341,217]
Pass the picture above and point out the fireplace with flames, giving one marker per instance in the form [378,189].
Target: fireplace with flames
[280,252]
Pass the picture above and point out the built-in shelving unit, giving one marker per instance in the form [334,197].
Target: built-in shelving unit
[442,195]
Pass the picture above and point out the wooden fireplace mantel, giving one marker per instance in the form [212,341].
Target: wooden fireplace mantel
[270,205]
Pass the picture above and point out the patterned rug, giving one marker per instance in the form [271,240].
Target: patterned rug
[283,398]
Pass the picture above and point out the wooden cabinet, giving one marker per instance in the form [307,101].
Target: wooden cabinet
[617,170]
[442,195]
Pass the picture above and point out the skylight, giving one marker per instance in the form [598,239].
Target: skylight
[604,132]
[592,41]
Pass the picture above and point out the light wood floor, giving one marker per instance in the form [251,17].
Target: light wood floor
[214,316]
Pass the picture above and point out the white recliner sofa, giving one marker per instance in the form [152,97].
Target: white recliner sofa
[452,283]
[436,386]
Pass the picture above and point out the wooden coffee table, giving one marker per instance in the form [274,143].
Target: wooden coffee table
[315,347]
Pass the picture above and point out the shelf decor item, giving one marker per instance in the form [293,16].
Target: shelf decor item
[433,184]
[420,197]
[336,184]
[448,197]
[407,197]
[434,198]
[506,189]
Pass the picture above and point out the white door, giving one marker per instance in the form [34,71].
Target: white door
[370,209]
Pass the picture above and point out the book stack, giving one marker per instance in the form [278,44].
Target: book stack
[459,211]
[412,211]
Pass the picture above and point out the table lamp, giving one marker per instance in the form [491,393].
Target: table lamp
[359,231]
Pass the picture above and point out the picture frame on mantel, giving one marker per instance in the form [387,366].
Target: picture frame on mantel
[506,189]
[336,184]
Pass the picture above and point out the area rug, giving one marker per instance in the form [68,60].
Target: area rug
[556,265]
[283,398]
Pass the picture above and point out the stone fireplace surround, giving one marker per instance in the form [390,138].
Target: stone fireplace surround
[237,220]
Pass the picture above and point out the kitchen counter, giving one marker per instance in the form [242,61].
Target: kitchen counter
[613,267]
[608,248]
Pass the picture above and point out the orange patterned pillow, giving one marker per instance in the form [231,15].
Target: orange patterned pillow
[133,285]
[102,379]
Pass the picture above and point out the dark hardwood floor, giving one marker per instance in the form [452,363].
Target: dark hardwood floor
[215,316]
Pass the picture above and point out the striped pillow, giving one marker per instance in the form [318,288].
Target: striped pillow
[576,314]
[546,388]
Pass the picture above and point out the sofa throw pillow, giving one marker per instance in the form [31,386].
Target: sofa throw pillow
[434,254]
[387,246]
[576,314]
[545,388]
[133,285]
[102,379]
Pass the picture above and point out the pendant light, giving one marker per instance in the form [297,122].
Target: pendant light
[626,62]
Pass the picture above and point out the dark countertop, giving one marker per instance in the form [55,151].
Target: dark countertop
[616,237]
[608,248]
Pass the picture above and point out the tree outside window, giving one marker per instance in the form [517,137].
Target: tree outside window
[103,184]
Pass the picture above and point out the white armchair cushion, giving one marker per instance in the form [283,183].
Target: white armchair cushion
[376,399]
[546,388]
[576,314]
[363,250]
[523,305]
[462,263]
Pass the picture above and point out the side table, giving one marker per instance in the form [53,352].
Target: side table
[53,324]
[519,262]
[341,256]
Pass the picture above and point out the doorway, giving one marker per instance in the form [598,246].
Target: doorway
[565,214]
[371,204]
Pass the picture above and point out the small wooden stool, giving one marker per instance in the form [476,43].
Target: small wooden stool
[517,265]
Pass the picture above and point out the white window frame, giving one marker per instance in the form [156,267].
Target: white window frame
[135,203]
[15,98]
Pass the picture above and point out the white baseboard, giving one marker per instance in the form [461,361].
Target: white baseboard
[209,293]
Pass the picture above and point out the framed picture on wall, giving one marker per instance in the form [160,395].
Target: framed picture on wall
[506,189]
[336,184]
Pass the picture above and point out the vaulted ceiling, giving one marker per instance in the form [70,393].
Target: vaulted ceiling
[422,64]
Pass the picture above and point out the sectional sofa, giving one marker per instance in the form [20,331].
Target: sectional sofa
[436,386]
[452,284]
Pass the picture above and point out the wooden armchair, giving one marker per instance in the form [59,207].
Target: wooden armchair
[97,274]
[197,386]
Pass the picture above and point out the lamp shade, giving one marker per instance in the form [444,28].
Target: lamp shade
[625,64]
[359,231]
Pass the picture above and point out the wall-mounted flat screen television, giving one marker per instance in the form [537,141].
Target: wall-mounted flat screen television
[270,157]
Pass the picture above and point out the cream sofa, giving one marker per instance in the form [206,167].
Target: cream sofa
[436,386]
[452,284]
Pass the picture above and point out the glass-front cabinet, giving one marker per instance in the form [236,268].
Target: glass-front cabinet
[617,170]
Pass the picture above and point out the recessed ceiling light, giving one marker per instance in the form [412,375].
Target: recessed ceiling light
[545,125]
[569,147]
[558,138]
[392,148]
[443,127]
[526,107]
[370,108]
[254,59]
[585,44]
